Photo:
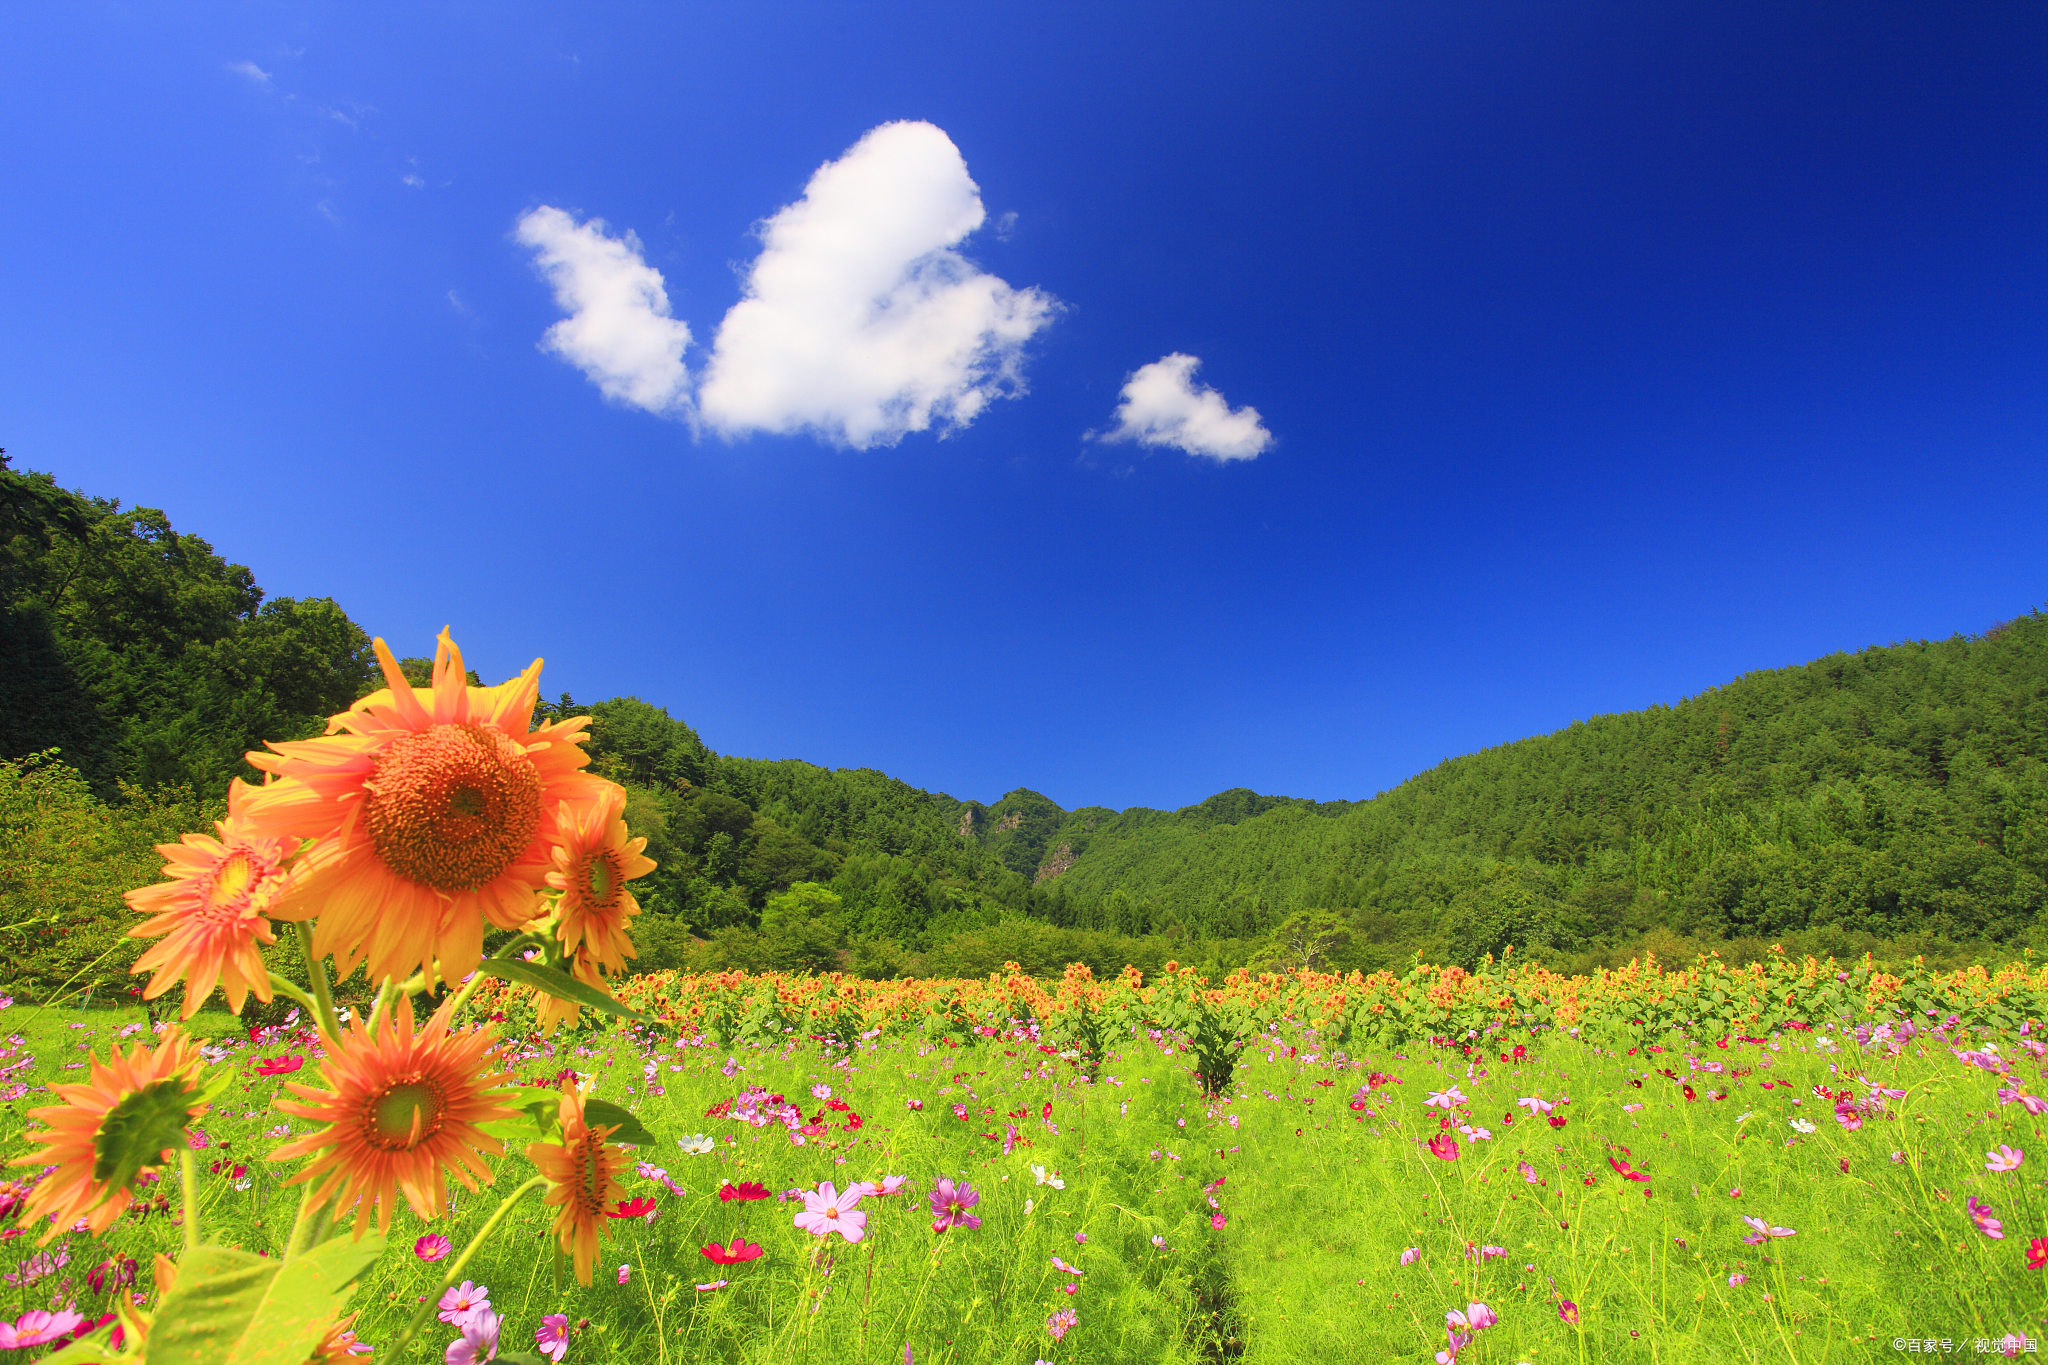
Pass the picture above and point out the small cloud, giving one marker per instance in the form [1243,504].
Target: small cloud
[860,323]
[255,74]
[1161,406]
[618,332]
[455,302]
[340,117]
[414,181]
[1005,225]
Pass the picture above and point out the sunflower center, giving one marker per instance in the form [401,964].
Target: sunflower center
[591,1158]
[404,1113]
[601,879]
[232,878]
[452,806]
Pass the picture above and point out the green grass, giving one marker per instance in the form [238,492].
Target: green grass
[1319,1201]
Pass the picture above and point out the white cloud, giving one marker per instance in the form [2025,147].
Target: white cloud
[618,332]
[859,322]
[1162,407]
[412,180]
[252,72]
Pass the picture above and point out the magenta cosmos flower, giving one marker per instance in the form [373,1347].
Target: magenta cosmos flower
[1980,1214]
[827,1210]
[950,1203]
[37,1328]
[2005,1158]
[552,1336]
[1445,1146]
[1764,1231]
[478,1342]
[462,1302]
[432,1247]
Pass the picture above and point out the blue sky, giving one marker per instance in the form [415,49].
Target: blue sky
[1553,360]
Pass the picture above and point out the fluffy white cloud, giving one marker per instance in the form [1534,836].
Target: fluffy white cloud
[859,323]
[618,332]
[1162,407]
[252,73]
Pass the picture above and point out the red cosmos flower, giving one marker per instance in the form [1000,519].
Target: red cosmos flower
[752,1189]
[632,1208]
[2037,1253]
[1626,1171]
[1357,1104]
[853,1121]
[1557,1120]
[1688,1092]
[279,1066]
[740,1250]
[838,1106]
[1521,1053]
[1445,1146]
[1045,1110]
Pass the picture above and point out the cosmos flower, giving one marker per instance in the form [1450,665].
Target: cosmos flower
[582,1170]
[1061,1323]
[828,1210]
[403,1109]
[2005,1158]
[478,1342]
[638,1207]
[696,1144]
[1447,1098]
[1535,1106]
[69,1143]
[950,1202]
[625,1273]
[1626,1171]
[1409,1256]
[1980,1214]
[212,909]
[1801,1125]
[1737,1280]
[279,1066]
[1044,1179]
[1445,1146]
[461,1303]
[1763,1230]
[436,810]
[552,1336]
[1568,1311]
[739,1250]
[2037,1253]
[432,1247]
[890,1184]
[38,1328]
[747,1189]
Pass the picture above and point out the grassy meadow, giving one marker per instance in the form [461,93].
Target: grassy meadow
[1301,1216]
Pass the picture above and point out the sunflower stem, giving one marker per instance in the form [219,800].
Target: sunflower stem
[309,1229]
[285,986]
[477,978]
[427,1310]
[188,1177]
[323,996]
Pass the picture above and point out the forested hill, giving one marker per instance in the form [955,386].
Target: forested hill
[1891,798]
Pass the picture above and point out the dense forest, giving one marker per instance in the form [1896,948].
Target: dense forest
[1893,799]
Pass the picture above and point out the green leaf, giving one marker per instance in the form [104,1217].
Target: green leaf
[603,1113]
[557,983]
[91,1350]
[232,1308]
[136,1131]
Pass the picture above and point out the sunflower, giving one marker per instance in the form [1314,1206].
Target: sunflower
[593,863]
[211,905]
[404,1109]
[118,1099]
[583,1177]
[435,808]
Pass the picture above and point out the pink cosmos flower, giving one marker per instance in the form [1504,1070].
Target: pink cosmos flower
[821,1091]
[2033,1104]
[1737,1280]
[1217,1221]
[1528,1173]
[552,1336]
[460,1303]
[1446,1098]
[1535,1106]
[1980,1214]
[2005,1158]
[432,1247]
[37,1328]
[959,1111]
[1409,1256]
[715,1284]
[1061,1323]
[478,1342]
[1568,1311]
[889,1184]
[950,1202]
[913,1104]
[1459,1341]
[626,1273]
[1764,1231]
[1625,1170]
[1058,1264]
[1445,1146]
[1477,1316]
[826,1210]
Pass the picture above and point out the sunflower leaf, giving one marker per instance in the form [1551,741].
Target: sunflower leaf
[136,1131]
[604,1114]
[232,1308]
[559,984]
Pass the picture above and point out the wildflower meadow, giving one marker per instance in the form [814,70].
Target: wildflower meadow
[467,1133]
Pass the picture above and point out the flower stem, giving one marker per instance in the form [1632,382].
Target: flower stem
[427,1310]
[283,986]
[188,1176]
[323,997]
[310,1227]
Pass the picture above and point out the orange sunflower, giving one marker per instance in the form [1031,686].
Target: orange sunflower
[593,863]
[211,905]
[404,1109]
[118,1099]
[583,1177]
[435,808]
